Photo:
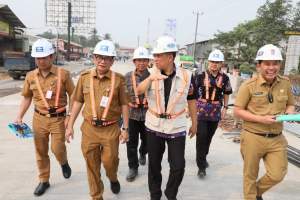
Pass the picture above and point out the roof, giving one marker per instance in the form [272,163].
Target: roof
[10,16]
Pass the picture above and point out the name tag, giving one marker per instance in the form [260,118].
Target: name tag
[258,94]
[49,94]
[104,102]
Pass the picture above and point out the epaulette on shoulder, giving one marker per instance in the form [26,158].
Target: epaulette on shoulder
[251,80]
[85,72]
[284,77]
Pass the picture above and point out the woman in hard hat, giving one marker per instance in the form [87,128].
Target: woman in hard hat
[214,89]
[258,102]
[137,109]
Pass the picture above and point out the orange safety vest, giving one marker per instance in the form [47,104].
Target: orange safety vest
[169,113]
[56,108]
[102,121]
[137,102]
[207,86]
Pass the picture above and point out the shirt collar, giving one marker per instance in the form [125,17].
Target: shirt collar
[53,70]
[262,81]
[95,74]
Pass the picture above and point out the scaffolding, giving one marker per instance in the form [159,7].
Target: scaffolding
[83,15]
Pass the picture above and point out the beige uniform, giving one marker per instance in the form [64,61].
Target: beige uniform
[100,144]
[253,97]
[44,126]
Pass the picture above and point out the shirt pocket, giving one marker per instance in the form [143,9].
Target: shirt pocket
[259,104]
[281,102]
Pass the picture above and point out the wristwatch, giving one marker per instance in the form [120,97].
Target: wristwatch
[124,129]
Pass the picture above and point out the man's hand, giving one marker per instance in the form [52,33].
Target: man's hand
[267,119]
[223,113]
[192,131]
[67,121]
[18,120]
[157,76]
[69,134]
[123,137]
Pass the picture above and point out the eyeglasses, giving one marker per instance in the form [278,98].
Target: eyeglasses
[270,97]
[103,58]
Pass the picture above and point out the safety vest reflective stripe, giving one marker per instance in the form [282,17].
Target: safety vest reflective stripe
[92,96]
[134,85]
[172,106]
[219,81]
[58,88]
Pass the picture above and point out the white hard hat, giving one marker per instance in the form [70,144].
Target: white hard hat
[105,48]
[42,48]
[165,44]
[269,52]
[216,55]
[141,53]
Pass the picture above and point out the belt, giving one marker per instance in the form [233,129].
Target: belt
[101,123]
[134,105]
[166,115]
[267,135]
[61,114]
[209,101]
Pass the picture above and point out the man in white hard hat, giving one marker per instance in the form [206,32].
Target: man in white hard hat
[169,89]
[214,89]
[137,109]
[258,102]
[104,96]
[49,87]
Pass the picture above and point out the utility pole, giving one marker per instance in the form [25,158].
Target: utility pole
[138,40]
[69,29]
[148,31]
[195,39]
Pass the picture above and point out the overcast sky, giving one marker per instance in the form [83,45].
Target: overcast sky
[127,19]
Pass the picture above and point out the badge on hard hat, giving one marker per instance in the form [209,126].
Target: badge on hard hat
[104,48]
[39,49]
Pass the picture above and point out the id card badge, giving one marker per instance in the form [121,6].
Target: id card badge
[104,101]
[49,94]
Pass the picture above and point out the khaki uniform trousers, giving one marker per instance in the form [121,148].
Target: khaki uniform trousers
[273,151]
[43,128]
[100,144]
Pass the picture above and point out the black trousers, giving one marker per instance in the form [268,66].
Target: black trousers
[136,131]
[156,149]
[205,133]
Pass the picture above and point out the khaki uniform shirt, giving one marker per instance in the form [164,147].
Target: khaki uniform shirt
[48,83]
[253,97]
[101,88]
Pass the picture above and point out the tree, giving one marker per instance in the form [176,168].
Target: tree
[94,38]
[48,35]
[107,36]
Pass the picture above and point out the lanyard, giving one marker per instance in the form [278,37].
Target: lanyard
[92,96]
[219,81]
[134,85]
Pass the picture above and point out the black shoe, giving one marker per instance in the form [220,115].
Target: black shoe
[201,173]
[259,198]
[169,198]
[142,159]
[206,164]
[66,170]
[41,188]
[115,187]
[132,174]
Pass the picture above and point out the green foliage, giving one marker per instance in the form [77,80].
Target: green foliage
[272,20]
[246,68]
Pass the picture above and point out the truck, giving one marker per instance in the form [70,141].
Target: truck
[18,63]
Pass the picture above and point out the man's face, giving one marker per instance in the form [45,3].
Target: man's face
[103,63]
[44,63]
[269,69]
[141,64]
[214,66]
[163,60]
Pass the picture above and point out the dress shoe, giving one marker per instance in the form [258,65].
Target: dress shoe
[142,159]
[201,173]
[41,188]
[132,174]
[115,187]
[66,170]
